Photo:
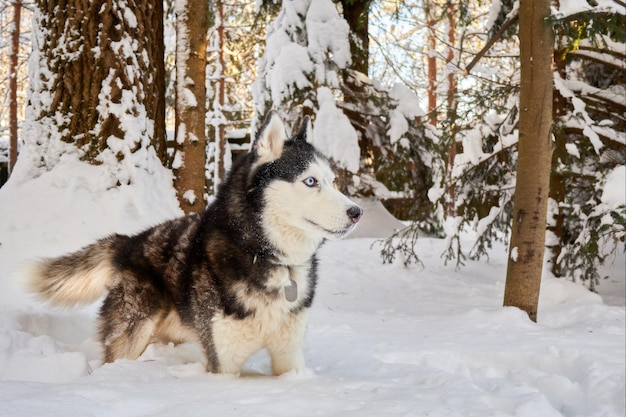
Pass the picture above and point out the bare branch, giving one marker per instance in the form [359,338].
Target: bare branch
[505,26]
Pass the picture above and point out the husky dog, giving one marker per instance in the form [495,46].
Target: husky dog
[237,278]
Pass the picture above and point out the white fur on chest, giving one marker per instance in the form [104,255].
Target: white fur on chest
[274,325]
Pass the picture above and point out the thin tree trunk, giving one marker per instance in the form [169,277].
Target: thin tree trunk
[15,49]
[451,100]
[557,180]
[450,57]
[157,51]
[432,67]
[356,13]
[221,139]
[190,145]
[534,159]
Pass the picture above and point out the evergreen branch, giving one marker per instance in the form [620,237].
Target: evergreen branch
[618,65]
[602,51]
[605,105]
[580,131]
[406,239]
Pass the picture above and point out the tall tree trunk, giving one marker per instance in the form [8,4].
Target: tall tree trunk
[190,145]
[15,49]
[534,158]
[97,86]
[451,40]
[356,13]
[557,179]
[157,52]
[451,101]
[220,147]
[431,63]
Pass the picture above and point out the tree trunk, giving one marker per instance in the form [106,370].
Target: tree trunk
[97,85]
[432,64]
[190,145]
[157,57]
[451,100]
[534,158]
[15,49]
[557,179]
[220,137]
[356,13]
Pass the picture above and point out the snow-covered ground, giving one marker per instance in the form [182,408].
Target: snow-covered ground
[383,340]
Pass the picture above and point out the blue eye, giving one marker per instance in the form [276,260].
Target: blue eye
[310,182]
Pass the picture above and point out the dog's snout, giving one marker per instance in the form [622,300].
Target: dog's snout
[355,213]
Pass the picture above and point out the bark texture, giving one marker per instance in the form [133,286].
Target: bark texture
[105,60]
[190,145]
[535,153]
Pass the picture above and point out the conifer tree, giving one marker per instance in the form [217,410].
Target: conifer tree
[587,215]
[367,129]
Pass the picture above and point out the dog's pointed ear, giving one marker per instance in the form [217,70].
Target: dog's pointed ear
[306,130]
[271,138]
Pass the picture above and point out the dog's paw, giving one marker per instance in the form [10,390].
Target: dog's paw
[302,373]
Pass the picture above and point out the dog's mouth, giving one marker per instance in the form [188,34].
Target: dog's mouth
[335,233]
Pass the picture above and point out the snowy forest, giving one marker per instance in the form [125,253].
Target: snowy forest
[421,98]
[119,114]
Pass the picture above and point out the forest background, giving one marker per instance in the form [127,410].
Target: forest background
[416,102]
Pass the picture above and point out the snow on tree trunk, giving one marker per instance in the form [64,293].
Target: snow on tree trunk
[94,87]
[218,152]
[15,47]
[535,152]
[190,145]
[220,137]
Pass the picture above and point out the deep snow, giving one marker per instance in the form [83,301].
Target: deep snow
[383,340]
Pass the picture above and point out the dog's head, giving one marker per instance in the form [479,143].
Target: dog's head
[301,203]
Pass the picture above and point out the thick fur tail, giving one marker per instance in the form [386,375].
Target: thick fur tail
[77,278]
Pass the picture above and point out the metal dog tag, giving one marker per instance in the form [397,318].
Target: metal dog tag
[291,292]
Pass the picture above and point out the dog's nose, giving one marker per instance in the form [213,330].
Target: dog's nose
[355,213]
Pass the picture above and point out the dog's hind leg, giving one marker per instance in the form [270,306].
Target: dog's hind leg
[130,343]
[125,330]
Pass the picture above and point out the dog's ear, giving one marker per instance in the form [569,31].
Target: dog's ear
[271,138]
[306,130]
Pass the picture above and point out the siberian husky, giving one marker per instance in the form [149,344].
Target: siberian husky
[237,278]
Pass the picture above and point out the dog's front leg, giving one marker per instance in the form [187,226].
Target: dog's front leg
[286,345]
